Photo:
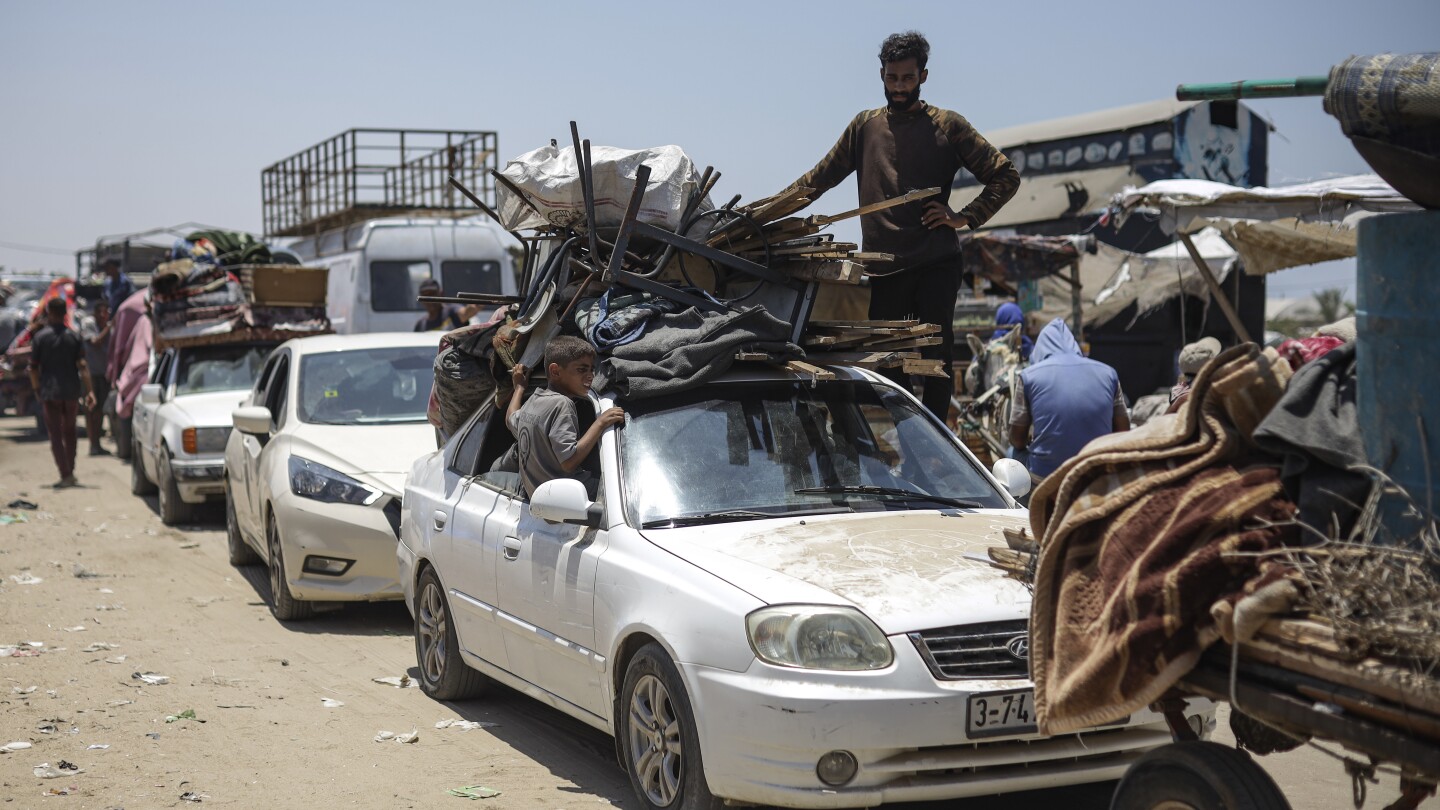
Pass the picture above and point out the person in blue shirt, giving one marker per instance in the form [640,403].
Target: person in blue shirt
[1009,317]
[1064,400]
[118,286]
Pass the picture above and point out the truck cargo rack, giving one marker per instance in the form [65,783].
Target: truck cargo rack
[363,174]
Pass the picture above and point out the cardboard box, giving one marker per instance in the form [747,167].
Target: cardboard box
[284,285]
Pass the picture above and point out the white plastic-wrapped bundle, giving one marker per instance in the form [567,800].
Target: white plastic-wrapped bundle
[550,179]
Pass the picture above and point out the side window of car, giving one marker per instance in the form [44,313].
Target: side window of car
[162,368]
[262,380]
[467,454]
[275,393]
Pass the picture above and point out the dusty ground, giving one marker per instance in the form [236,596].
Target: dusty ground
[169,603]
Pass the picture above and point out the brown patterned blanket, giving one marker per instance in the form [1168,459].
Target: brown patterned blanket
[1141,534]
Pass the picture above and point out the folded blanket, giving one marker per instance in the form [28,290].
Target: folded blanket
[1141,533]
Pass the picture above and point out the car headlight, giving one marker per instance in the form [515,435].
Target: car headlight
[311,480]
[818,637]
[204,440]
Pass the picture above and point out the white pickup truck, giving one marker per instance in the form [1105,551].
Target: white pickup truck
[182,421]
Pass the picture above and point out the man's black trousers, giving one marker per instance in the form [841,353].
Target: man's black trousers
[926,294]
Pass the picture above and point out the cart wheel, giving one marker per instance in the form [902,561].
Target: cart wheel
[1197,776]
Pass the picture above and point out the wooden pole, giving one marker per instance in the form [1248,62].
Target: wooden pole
[1215,290]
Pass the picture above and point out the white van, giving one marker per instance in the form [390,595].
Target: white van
[377,266]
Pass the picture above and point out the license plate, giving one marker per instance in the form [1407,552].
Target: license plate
[995,714]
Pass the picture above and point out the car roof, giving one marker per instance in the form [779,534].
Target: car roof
[368,340]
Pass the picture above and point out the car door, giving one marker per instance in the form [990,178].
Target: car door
[144,419]
[272,396]
[465,554]
[546,588]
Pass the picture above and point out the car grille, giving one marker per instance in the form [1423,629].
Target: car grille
[988,650]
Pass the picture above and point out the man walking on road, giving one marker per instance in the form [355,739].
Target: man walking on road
[901,147]
[1066,398]
[57,373]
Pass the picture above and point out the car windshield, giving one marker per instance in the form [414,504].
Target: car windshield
[755,449]
[218,368]
[366,386]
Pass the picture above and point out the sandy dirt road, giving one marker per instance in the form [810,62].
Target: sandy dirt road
[152,599]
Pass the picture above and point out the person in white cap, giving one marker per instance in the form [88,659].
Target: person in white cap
[1192,358]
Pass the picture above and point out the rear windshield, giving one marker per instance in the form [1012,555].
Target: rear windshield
[459,276]
[394,285]
[219,368]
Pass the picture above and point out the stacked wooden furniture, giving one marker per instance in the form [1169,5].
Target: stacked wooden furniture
[876,345]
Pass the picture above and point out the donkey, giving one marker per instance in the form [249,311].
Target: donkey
[991,380]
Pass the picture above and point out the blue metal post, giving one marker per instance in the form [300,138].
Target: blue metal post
[1398,352]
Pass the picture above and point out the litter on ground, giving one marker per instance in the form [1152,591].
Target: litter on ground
[474,792]
[331,703]
[152,678]
[465,725]
[402,682]
[387,736]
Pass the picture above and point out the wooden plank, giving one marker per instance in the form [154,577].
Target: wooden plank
[837,272]
[1366,706]
[865,324]
[908,343]
[754,356]
[911,196]
[925,368]
[814,372]
[1395,684]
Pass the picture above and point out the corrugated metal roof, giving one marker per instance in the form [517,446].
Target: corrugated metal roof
[1089,123]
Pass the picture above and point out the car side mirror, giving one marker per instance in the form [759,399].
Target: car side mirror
[1012,475]
[150,393]
[564,500]
[252,419]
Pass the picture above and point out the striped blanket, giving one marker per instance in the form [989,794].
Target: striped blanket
[1141,534]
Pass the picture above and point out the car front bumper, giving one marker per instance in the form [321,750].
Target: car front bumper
[764,730]
[362,535]
[199,479]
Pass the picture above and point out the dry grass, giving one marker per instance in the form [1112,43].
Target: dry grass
[1379,590]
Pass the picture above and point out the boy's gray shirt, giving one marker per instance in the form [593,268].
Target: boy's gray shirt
[545,434]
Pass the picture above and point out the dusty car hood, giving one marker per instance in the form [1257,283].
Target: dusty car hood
[210,409]
[906,570]
[376,454]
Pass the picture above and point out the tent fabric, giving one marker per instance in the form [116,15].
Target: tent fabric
[1112,279]
[1271,228]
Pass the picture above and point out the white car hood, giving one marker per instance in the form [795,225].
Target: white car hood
[376,454]
[906,570]
[210,409]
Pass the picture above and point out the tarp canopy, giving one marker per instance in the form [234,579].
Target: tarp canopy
[1272,228]
[1015,257]
[1112,279]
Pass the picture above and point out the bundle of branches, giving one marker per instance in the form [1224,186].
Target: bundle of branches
[1379,590]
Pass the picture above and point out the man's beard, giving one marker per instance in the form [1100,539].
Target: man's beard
[899,102]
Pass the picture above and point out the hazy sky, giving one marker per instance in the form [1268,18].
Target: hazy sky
[120,117]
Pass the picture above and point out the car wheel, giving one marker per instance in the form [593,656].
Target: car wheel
[1197,775]
[444,675]
[659,743]
[240,551]
[173,510]
[139,484]
[283,605]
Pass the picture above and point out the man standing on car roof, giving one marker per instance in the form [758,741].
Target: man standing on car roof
[901,147]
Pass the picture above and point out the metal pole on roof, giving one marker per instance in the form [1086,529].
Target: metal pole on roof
[1216,290]
[1255,88]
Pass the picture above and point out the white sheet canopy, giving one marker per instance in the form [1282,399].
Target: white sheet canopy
[1272,228]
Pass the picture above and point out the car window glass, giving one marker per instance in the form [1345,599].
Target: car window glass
[394,285]
[467,454]
[218,368]
[457,276]
[750,446]
[262,380]
[275,395]
[366,386]
[157,375]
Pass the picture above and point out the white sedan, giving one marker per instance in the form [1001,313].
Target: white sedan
[315,465]
[779,597]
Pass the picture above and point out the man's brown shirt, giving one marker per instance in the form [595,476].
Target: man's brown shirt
[893,153]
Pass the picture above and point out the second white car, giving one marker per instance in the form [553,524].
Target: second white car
[315,467]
